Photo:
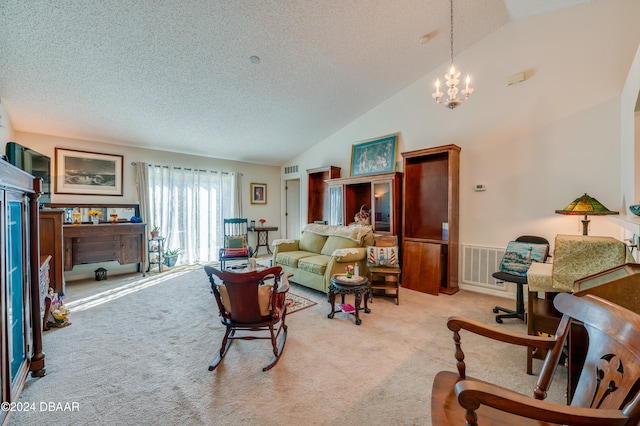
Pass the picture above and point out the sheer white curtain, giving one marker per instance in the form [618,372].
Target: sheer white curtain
[189,205]
[142,185]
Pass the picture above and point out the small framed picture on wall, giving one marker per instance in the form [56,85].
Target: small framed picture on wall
[258,193]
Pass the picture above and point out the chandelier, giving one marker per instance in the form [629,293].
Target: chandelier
[452,80]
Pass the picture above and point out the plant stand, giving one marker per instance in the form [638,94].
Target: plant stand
[155,251]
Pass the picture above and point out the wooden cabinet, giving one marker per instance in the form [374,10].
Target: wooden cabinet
[21,332]
[122,242]
[430,219]
[318,192]
[423,270]
[380,194]
[51,244]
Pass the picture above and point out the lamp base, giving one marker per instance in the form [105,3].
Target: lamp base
[585,226]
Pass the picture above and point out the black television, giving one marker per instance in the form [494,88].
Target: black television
[34,163]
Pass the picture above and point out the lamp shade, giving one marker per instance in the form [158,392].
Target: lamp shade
[587,206]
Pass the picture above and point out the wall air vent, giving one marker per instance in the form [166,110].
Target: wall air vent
[478,265]
[291,169]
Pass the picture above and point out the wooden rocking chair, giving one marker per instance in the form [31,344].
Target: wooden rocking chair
[236,241]
[251,302]
[608,390]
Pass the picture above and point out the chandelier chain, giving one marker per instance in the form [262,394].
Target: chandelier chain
[451,78]
[451,32]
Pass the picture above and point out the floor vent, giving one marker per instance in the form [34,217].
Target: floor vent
[291,169]
[478,265]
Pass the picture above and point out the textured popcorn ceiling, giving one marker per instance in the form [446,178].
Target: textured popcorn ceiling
[175,75]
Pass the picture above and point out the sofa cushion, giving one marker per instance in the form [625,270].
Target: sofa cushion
[312,242]
[334,243]
[314,264]
[291,258]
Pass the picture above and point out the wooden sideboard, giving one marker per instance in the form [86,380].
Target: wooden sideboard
[121,242]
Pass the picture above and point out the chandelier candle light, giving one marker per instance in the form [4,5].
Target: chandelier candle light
[452,80]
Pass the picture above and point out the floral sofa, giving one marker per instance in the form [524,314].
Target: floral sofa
[321,252]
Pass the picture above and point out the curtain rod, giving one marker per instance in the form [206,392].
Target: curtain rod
[133,163]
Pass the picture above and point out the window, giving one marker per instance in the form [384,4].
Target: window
[188,205]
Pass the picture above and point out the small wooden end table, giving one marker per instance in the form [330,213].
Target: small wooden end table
[387,280]
[262,237]
[358,286]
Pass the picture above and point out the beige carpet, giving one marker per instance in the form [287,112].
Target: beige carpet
[138,354]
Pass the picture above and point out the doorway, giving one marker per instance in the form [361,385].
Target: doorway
[292,208]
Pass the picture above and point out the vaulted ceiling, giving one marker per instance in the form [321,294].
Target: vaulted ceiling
[178,75]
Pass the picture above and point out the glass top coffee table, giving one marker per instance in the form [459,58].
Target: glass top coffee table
[358,286]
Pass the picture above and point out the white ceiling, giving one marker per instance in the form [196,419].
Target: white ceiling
[175,75]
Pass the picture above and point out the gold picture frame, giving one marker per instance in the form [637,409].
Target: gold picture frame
[258,193]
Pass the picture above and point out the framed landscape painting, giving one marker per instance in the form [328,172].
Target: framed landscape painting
[374,156]
[88,173]
[258,193]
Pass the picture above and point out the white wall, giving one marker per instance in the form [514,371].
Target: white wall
[5,126]
[251,173]
[536,145]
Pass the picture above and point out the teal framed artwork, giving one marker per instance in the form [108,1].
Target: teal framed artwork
[374,156]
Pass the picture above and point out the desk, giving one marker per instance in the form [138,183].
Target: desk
[262,237]
[574,257]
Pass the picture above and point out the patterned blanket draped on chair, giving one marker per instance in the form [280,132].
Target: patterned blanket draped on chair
[236,241]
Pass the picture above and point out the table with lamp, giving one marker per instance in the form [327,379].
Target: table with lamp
[574,257]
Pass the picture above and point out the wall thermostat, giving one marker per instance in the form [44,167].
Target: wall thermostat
[479,187]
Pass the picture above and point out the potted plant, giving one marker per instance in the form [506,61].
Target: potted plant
[155,231]
[171,256]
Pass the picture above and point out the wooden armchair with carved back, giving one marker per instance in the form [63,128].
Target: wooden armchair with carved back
[252,306]
[608,390]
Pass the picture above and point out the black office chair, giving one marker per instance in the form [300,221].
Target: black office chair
[520,282]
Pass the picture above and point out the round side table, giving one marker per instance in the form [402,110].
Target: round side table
[358,286]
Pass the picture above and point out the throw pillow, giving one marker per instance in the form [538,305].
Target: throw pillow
[264,298]
[236,241]
[519,256]
[382,256]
